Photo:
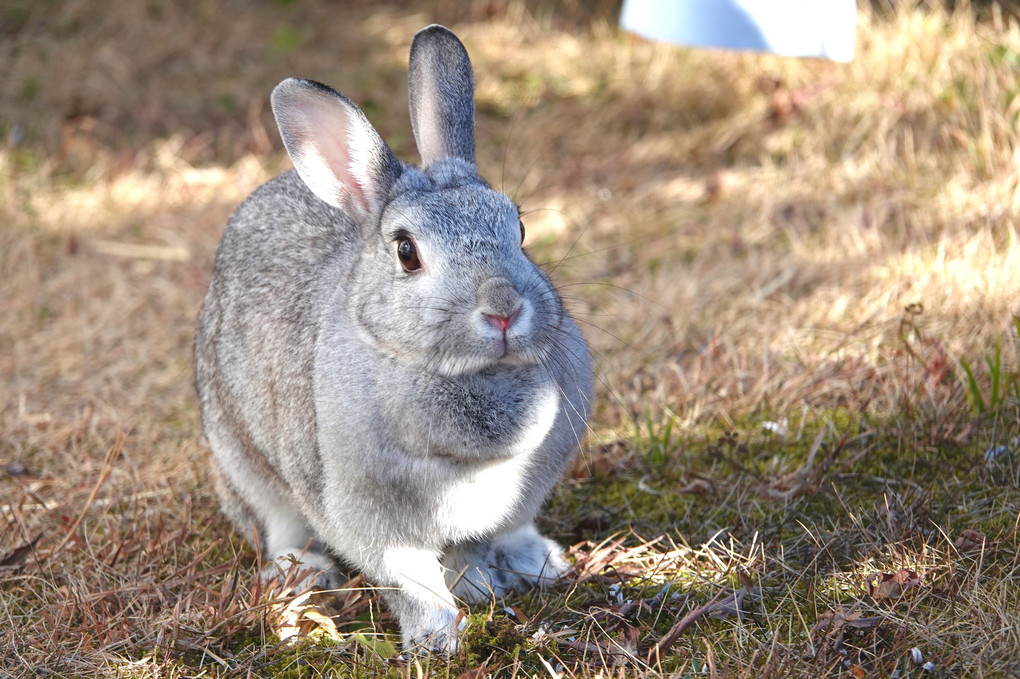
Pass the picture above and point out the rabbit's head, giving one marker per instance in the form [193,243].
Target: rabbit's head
[442,281]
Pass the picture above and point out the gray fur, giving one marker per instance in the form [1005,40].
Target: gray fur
[380,413]
[441,89]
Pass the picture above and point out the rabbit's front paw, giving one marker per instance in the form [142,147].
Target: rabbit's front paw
[487,569]
[417,594]
[435,631]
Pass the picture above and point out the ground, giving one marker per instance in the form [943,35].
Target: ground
[797,278]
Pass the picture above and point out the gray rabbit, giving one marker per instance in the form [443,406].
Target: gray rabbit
[383,373]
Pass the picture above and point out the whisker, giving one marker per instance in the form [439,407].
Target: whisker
[526,173]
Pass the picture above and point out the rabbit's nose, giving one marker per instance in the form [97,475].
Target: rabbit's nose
[498,298]
[502,323]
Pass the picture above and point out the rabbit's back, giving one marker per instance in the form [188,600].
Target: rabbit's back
[254,346]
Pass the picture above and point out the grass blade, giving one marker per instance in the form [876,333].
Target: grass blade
[974,391]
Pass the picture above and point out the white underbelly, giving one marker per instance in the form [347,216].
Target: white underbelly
[482,501]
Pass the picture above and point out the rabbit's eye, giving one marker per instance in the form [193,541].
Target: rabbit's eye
[522,231]
[407,253]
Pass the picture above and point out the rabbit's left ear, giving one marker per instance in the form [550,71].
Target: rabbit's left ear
[335,150]
[441,85]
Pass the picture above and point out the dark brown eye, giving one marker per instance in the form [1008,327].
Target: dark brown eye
[522,232]
[407,253]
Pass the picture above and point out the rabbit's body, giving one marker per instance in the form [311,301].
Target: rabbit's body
[396,417]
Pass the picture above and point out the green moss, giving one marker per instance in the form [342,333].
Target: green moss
[487,637]
[313,658]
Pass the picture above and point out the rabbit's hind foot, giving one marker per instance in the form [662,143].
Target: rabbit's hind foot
[294,558]
[299,570]
[489,569]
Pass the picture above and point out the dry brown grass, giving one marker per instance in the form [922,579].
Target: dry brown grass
[748,239]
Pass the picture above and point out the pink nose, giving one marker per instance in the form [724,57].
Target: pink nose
[500,323]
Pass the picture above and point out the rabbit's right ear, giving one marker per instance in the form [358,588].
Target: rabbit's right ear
[336,151]
[441,86]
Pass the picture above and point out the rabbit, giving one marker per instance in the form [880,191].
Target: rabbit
[386,381]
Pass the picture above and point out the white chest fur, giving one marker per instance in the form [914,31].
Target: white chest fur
[484,498]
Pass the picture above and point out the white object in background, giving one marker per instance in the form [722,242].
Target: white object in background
[791,28]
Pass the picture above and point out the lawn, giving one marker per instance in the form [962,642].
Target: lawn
[798,280]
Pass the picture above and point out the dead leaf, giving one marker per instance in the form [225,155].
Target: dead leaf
[892,585]
[304,615]
[970,541]
[731,606]
[833,622]
[745,579]
[14,559]
[628,639]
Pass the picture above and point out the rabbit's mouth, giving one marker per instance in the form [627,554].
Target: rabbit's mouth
[496,352]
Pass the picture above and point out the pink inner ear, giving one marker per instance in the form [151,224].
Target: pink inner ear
[431,144]
[326,135]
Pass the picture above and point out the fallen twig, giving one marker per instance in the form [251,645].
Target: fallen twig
[666,642]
